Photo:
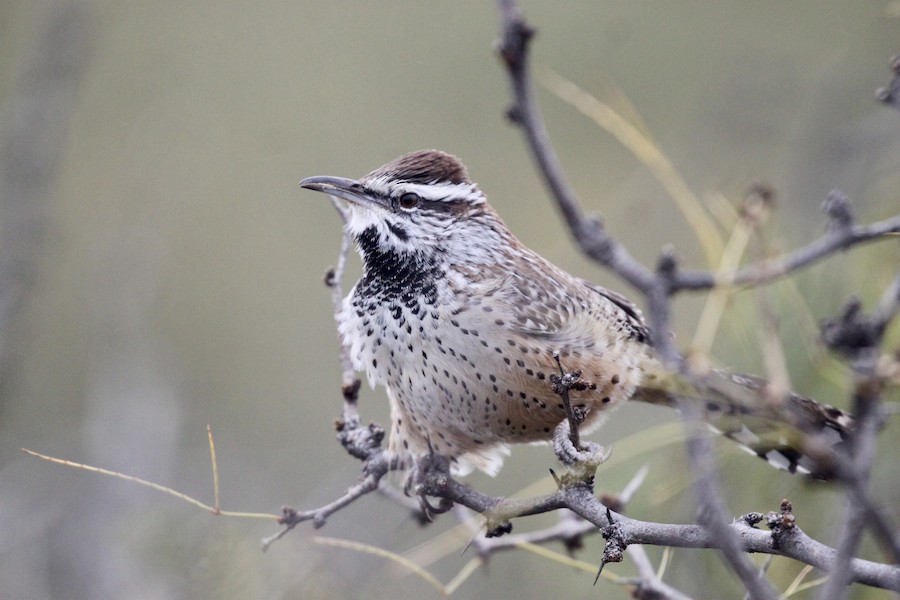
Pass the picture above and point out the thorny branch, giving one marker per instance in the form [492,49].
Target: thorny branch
[668,280]
[854,335]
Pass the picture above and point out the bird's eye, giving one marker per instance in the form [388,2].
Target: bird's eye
[408,201]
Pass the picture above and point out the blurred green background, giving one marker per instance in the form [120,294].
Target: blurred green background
[178,273]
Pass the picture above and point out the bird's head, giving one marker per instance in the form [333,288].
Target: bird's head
[420,203]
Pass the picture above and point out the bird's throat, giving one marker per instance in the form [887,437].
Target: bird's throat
[392,275]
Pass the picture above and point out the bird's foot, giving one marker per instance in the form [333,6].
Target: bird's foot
[419,481]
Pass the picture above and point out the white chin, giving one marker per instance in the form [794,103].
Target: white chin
[360,219]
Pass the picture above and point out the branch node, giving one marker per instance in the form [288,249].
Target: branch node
[782,523]
[614,550]
[752,518]
[431,477]
[499,530]
[514,114]
[350,391]
[513,47]
[852,334]
[837,207]
[360,442]
[330,279]
[289,516]
[667,263]
[757,204]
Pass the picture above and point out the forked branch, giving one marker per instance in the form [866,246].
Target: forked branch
[716,529]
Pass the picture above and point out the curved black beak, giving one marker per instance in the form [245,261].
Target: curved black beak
[343,188]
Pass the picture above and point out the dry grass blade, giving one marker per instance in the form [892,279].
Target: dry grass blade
[717,301]
[215,470]
[664,563]
[441,545]
[568,560]
[381,552]
[798,585]
[154,486]
[464,573]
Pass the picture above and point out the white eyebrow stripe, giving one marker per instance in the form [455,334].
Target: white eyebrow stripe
[437,191]
[434,192]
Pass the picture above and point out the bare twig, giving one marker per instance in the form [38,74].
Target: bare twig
[768,270]
[578,497]
[375,469]
[562,383]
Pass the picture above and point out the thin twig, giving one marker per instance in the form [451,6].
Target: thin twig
[334,280]
[858,336]
[568,529]
[589,234]
[562,385]
[579,498]
[362,442]
[768,270]
[374,470]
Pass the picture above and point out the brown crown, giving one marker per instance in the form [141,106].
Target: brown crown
[424,166]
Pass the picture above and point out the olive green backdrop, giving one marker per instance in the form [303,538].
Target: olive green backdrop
[180,276]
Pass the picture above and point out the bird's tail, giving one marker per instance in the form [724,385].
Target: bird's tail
[789,431]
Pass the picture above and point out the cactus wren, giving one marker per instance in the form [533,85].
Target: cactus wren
[461,323]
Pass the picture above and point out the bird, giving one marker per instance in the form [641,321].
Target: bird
[466,328]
